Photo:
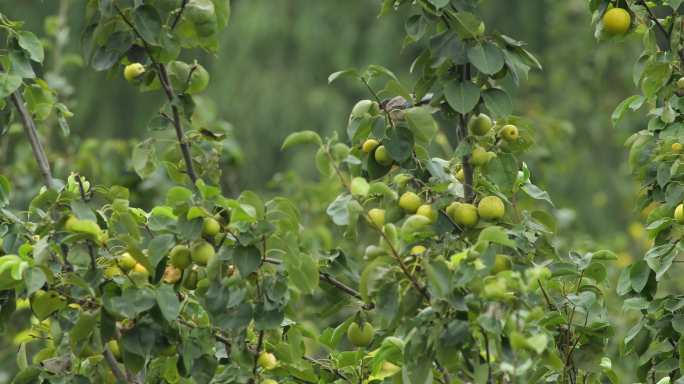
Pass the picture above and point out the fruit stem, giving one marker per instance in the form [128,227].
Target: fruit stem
[32,135]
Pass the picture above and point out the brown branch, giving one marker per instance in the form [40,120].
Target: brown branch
[114,366]
[180,13]
[34,140]
[325,276]
[170,95]
[653,17]
[462,133]
[260,344]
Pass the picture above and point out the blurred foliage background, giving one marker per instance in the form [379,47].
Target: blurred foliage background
[270,79]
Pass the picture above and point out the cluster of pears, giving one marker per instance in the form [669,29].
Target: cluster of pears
[191,259]
[467,215]
[482,125]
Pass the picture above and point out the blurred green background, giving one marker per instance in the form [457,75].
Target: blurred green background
[270,79]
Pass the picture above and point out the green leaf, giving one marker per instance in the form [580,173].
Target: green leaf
[633,102]
[302,271]
[468,25]
[148,23]
[5,191]
[498,102]
[302,137]
[168,303]
[487,58]
[351,72]
[638,275]
[399,143]
[495,234]
[8,84]
[462,96]
[247,259]
[32,45]
[421,123]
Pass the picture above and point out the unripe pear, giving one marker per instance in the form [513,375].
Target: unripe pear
[210,227]
[510,132]
[480,124]
[180,256]
[417,250]
[460,175]
[126,262]
[479,157]
[427,211]
[377,217]
[359,186]
[491,208]
[382,157]
[501,263]
[360,336]
[677,147]
[463,214]
[133,71]
[616,21]
[680,83]
[679,213]
[202,253]
[410,202]
[267,361]
[369,145]
[139,273]
[363,107]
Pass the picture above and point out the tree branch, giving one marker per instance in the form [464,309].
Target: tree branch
[114,366]
[34,140]
[653,17]
[180,13]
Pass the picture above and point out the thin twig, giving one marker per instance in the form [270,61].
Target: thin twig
[260,343]
[332,370]
[34,140]
[180,13]
[656,21]
[114,365]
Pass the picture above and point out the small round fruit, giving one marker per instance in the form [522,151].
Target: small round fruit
[201,287]
[190,282]
[126,261]
[617,21]
[70,223]
[360,336]
[501,263]
[480,124]
[267,361]
[202,253]
[410,202]
[210,227]
[133,71]
[418,250]
[369,145]
[491,207]
[427,211]
[172,275]
[269,381]
[363,107]
[479,157]
[463,214]
[460,175]
[377,217]
[139,273]
[677,147]
[679,213]
[113,271]
[113,346]
[180,256]
[680,83]
[510,132]
[382,157]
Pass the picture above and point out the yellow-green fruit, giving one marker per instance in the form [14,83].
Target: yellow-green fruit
[180,256]
[417,250]
[360,336]
[491,207]
[267,361]
[427,211]
[463,214]
[382,157]
[201,287]
[172,275]
[479,157]
[617,21]
[126,261]
[377,217]
[495,290]
[677,147]
[113,271]
[139,273]
[70,223]
[202,253]
[133,71]
[679,213]
[480,124]
[369,145]
[510,132]
[460,175]
[113,346]
[680,83]
[191,282]
[501,263]
[410,202]
[210,227]
[269,381]
[363,107]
